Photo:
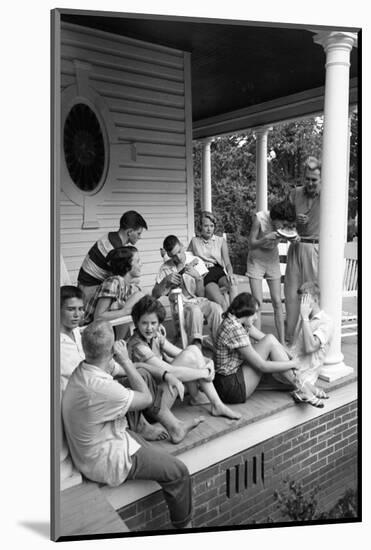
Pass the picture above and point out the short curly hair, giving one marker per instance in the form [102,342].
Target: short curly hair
[148,304]
[68,292]
[120,260]
[244,305]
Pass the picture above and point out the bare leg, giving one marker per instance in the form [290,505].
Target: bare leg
[176,428]
[269,346]
[213,293]
[256,287]
[218,408]
[275,292]
[251,378]
[185,365]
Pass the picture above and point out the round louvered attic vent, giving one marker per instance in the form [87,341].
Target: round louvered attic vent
[84,148]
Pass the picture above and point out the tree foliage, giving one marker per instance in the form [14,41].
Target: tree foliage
[233,175]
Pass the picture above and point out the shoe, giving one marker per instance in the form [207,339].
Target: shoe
[310,400]
[321,394]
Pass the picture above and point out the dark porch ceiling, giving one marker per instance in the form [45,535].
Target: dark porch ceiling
[234,65]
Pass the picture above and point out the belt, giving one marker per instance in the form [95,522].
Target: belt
[310,241]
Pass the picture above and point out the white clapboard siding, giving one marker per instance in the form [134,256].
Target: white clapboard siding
[143,85]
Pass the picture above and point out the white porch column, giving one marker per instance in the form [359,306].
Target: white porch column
[337,46]
[206,202]
[261,168]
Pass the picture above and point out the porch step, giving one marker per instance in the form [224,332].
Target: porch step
[86,511]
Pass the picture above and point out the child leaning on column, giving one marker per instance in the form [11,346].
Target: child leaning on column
[312,339]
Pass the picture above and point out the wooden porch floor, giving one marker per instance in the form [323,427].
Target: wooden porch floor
[261,404]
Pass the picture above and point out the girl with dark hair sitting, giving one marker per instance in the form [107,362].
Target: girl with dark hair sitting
[116,295]
[239,362]
[149,345]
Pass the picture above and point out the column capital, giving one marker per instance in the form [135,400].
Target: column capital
[336,39]
[262,130]
[206,141]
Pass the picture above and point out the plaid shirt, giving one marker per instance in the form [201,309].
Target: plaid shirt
[230,338]
[115,288]
[142,351]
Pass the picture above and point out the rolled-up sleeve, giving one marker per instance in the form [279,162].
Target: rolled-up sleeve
[324,332]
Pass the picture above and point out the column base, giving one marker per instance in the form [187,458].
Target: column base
[329,373]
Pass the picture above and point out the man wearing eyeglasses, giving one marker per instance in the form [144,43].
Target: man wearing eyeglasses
[302,257]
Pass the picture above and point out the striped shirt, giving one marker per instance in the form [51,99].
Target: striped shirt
[94,269]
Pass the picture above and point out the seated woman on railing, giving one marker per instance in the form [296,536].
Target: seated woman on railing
[213,250]
[240,362]
[116,296]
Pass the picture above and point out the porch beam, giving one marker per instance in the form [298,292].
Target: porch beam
[285,109]
[337,46]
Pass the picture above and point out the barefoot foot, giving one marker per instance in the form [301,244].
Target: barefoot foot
[154,432]
[223,410]
[178,433]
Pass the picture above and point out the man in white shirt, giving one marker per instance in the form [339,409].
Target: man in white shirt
[185,270]
[94,408]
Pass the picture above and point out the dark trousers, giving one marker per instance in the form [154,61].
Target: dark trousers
[170,473]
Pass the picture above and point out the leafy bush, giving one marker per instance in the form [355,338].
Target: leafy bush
[294,504]
[298,507]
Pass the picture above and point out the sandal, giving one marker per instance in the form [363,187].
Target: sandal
[310,400]
[321,394]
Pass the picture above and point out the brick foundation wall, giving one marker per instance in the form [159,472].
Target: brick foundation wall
[240,489]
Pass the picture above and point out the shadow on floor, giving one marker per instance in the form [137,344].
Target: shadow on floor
[40,527]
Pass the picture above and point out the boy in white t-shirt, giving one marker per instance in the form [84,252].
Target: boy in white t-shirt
[186,271]
[72,354]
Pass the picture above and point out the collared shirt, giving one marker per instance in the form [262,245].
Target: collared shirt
[114,287]
[230,338]
[310,207]
[141,351]
[322,327]
[209,250]
[94,268]
[188,282]
[94,408]
[71,355]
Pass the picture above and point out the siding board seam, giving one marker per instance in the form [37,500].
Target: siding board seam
[117,66]
[122,39]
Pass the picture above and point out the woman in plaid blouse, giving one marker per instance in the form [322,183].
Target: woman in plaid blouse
[116,296]
[243,353]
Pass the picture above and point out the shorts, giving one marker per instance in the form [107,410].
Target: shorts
[215,273]
[260,269]
[154,388]
[231,387]
[302,265]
